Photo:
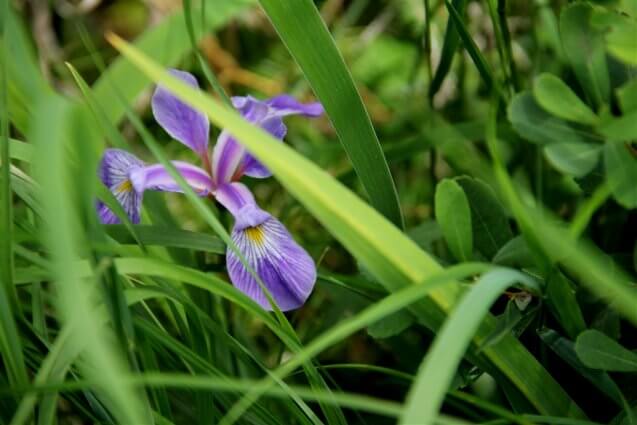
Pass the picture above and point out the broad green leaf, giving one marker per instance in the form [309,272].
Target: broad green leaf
[384,250]
[302,30]
[514,253]
[565,348]
[622,43]
[598,351]
[489,221]
[167,43]
[552,94]
[627,96]
[621,172]
[585,50]
[454,216]
[439,366]
[575,159]
[390,325]
[552,241]
[619,33]
[538,126]
[620,129]
[562,301]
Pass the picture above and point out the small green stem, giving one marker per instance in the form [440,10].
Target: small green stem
[506,36]
[584,214]
[210,76]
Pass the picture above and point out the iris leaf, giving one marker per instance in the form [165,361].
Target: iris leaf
[304,33]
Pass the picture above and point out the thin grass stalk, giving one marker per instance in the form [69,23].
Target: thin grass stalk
[203,64]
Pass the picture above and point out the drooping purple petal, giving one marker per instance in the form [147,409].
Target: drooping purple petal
[287,105]
[234,197]
[155,177]
[283,266]
[114,171]
[190,126]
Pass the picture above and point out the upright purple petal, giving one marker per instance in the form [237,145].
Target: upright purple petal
[287,105]
[250,166]
[114,171]
[286,269]
[190,126]
[230,160]
[227,155]
[155,177]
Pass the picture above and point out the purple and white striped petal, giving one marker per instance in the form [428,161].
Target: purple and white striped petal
[227,155]
[190,126]
[230,160]
[286,269]
[155,177]
[114,171]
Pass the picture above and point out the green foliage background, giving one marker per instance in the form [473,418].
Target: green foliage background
[469,199]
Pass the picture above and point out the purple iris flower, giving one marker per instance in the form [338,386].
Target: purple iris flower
[284,267]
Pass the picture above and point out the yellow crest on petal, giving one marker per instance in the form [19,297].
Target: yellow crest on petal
[125,186]
[255,234]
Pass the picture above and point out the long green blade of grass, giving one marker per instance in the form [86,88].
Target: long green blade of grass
[76,295]
[61,355]
[167,236]
[304,33]
[377,311]
[439,366]
[393,258]
[10,344]
[25,82]
[449,47]
[470,46]
[207,382]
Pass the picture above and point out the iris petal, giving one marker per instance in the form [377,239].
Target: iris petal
[227,155]
[235,196]
[230,160]
[114,171]
[190,126]
[287,105]
[285,268]
[156,177]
